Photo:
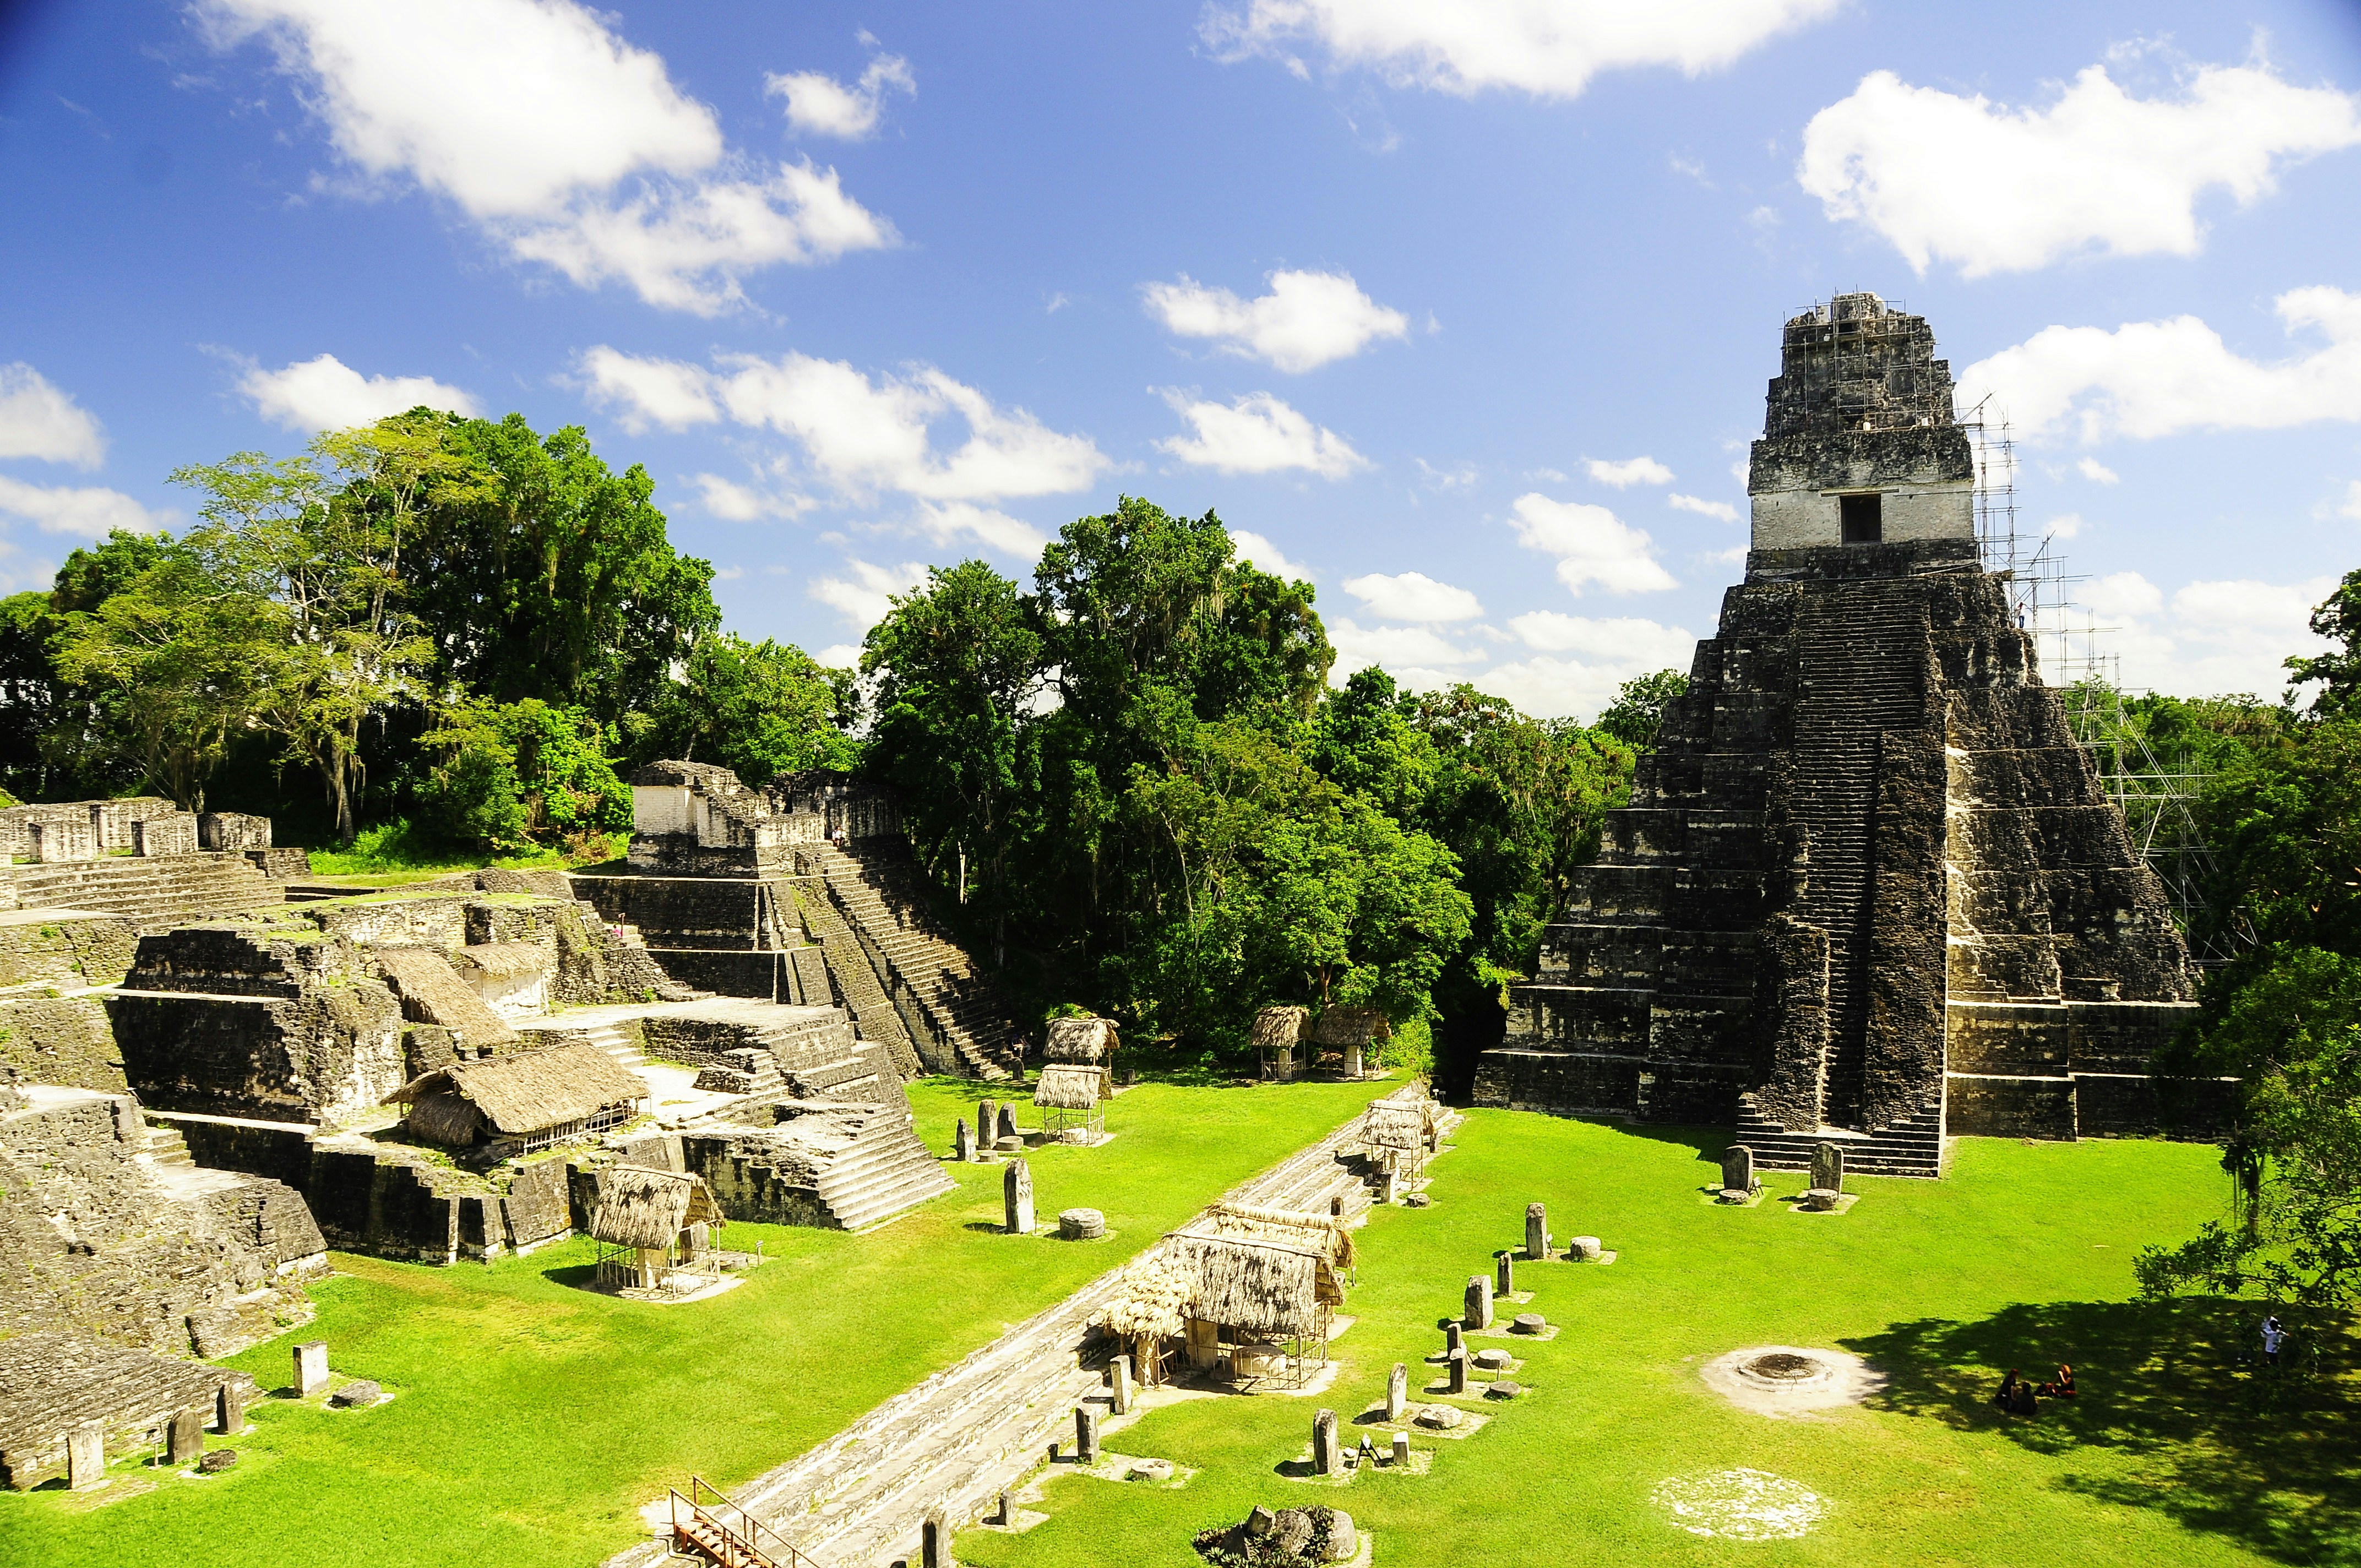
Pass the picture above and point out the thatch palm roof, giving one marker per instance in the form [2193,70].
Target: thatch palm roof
[1397,1123]
[1253,1287]
[1277,1028]
[1351,1026]
[1066,1086]
[505,961]
[1324,1233]
[644,1208]
[529,1091]
[1089,1041]
[1152,1301]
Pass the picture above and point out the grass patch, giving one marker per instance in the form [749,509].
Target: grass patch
[532,1418]
[2021,1258]
[391,853]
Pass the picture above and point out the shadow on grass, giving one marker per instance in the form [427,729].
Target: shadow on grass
[579,1276]
[2272,1464]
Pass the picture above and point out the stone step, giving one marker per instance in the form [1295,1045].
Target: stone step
[168,1145]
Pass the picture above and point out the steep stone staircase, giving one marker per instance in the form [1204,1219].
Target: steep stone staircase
[144,889]
[1911,1146]
[1861,664]
[875,890]
[848,967]
[957,1439]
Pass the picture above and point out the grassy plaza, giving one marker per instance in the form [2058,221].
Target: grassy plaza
[531,1419]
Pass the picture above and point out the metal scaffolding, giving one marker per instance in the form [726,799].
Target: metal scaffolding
[2159,801]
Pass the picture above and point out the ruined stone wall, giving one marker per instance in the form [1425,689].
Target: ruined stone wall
[59,1039]
[246,1021]
[43,948]
[167,1258]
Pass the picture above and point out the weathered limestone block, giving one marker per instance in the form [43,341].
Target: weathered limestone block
[1397,1391]
[310,1362]
[1016,1197]
[48,947]
[1324,1456]
[1537,1237]
[1479,1305]
[1086,1433]
[63,1040]
[175,834]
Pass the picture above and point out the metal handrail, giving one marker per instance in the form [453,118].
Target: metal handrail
[749,1541]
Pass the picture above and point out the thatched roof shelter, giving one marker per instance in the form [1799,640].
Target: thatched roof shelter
[1279,1028]
[1088,1042]
[518,1095]
[504,961]
[1324,1233]
[1069,1086]
[1399,1125]
[1266,1288]
[649,1208]
[1340,1026]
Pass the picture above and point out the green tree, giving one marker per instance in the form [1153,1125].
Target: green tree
[2338,671]
[541,573]
[759,709]
[320,540]
[512,777]
[1274,884]
[957,667]
[174,663]
[1638,710]
[58,739]
[1367,738]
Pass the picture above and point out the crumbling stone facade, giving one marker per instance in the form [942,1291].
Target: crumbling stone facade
[1867,885]
[98,1237]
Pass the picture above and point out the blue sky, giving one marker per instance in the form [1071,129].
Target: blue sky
[1465,310]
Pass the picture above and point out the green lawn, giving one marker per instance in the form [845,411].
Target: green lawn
[531,1417]
[2022,1257]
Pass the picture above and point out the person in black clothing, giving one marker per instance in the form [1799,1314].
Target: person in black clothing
[2006,1396]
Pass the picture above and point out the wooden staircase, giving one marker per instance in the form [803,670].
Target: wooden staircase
[707,1525]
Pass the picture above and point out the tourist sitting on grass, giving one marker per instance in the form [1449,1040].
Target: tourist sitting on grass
[2061,1386]
[2007,1398]
[2025,1404]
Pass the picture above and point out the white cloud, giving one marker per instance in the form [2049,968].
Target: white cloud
[646,393]
[39,420]
[1996,190]
[728,574]
[1619,640]
[947,521]
[821,105]
[1399,649]
[2352,506]
[1549,687]
[2206,639]
[1702,507]
[89,511]
[1629,472]
[1457,478]
[2147,379]
[562,141]
[1307,319]
[861,435]
[326,394]
[1265,556]
[1547,47]
[838,657]
[1592,545]
[2065,525]
[865,594]
[1257,433]
[2098,472]
[2123,594]
[735,502]
[1414,596]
